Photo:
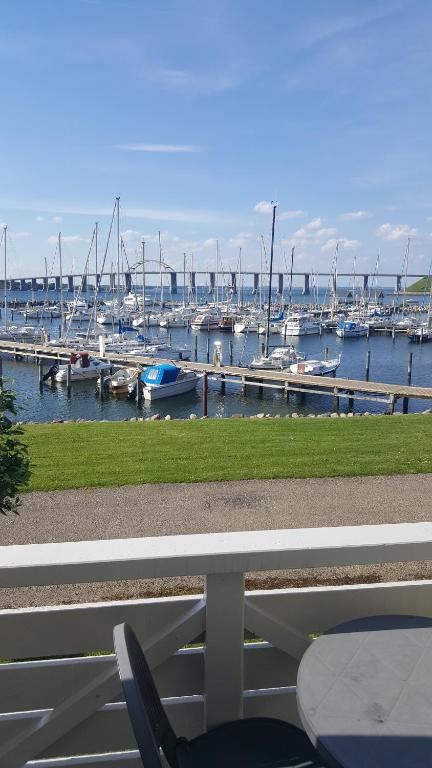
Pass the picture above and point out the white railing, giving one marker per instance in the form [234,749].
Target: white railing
[68,711]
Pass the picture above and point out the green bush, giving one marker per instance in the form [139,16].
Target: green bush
[14,463]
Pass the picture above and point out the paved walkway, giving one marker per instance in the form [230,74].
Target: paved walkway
[158,510]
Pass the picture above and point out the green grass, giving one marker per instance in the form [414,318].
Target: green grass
[424,284]
[119,453]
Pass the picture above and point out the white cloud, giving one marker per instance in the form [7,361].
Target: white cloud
[40,218]
[263,207]
[131,236]
[291,215]
[240,240]
[164,148]
[210,242]
[354,215]
[331,244]
[57,219]
[395,231]
[315,224]
[320,234]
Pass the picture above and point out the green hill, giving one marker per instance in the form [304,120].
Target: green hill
[421,286]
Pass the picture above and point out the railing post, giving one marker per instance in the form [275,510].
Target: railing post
[224,648]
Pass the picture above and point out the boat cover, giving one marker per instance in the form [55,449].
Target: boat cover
[347,325]
[160,374]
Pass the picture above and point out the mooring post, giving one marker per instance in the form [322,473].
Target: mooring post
[243,386]
[286,385]
[326,353]
[368,355]
[350,402]
[204,393]
[262,348]
[260,389]
[368,332]
[41,373]
[188,325]
[101,383]
[68,378]
[169,338]
[196,347]
[208,349]
[230,351]
[393,333]
[138,390]
[405,401]
[335,400]
[222,384]
[391,405]
[60,332]
[285,332]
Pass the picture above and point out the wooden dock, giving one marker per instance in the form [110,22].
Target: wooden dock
[336,387]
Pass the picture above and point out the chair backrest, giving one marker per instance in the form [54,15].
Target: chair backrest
[150,724]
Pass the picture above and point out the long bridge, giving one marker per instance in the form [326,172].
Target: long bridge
[127,278]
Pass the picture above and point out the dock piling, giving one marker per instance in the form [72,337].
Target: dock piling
[41,374]
[405,401]
[196,347]
[326,353]
[222,384]
[204,393]
[368,356]
[230,351]
[101,383]
[208,349]
[68,378]
[335,400]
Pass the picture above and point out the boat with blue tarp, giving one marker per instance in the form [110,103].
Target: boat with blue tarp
[166,380]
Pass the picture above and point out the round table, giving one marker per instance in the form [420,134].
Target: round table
[364,692]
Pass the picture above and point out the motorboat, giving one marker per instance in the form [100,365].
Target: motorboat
[164,350]
[82,367]
[278,359]
[351,329]
[205,322]
[247,324]
[150,320]
[316,367]
[300,324]
[39,312]
[119,382]
[23,333]
[78,316]
[167,380]
[421,334]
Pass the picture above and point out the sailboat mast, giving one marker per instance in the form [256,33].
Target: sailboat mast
[96,253]
[217,274]
[270,282]
[61,283]
[184,280]
[5,276]
[118,257]
[291,278]
[239,289]
[160,270]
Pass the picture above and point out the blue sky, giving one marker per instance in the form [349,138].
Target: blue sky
[198,113]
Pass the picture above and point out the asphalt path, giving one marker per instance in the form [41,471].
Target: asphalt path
[168,509]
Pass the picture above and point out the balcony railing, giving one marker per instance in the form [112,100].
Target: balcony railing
[64,706]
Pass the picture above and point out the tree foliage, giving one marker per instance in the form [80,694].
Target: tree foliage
[14,462]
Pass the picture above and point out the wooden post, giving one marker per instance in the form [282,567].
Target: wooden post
[243,385]
[350,402]
[196,347]
[68,378]
[286,385]
[41,373]
[368,356]
[391,405]
[101,383]
[326,353]
[368,332]
[405,401]
[230,351]
[138,390]
[222,384]
[260,389]
[335,400]
[204,393]
[208,349]
[393,333]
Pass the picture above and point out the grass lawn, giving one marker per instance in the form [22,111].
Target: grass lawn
[119,453]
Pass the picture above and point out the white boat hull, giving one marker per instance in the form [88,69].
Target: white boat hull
[156,392]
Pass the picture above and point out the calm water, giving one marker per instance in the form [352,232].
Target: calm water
[388,363]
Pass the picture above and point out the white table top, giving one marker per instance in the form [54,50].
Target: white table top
[364,693]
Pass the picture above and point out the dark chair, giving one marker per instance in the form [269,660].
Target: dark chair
[259,742]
